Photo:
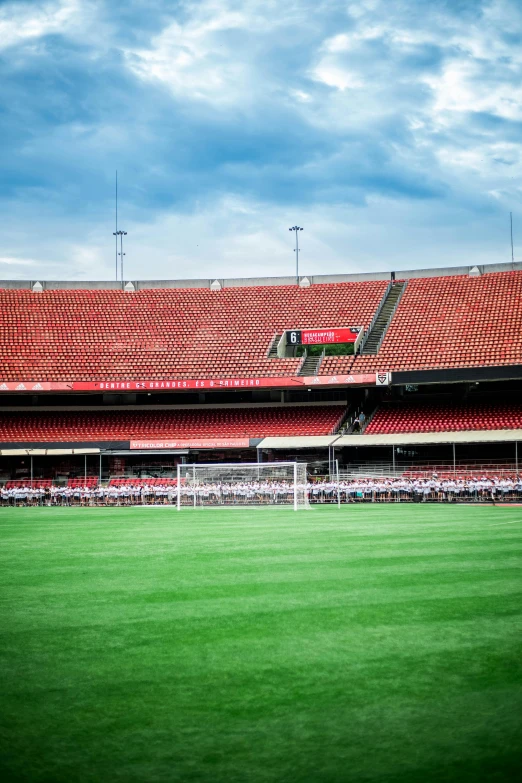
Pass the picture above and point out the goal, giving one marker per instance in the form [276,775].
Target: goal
[243,484]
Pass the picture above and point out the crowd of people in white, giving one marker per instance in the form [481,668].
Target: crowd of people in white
[276,492]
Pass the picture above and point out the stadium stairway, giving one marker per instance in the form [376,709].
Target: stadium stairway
[272,353]
[310,366]
[379,327]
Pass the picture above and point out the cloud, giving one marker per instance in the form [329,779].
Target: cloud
[26,22]
[17,261]
[386,127]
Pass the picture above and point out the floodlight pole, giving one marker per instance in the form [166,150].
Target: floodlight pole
[122,234]
[512,252]
[115,233]
[297,229]
[119,234]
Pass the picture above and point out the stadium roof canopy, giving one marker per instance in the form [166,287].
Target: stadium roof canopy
[398,439]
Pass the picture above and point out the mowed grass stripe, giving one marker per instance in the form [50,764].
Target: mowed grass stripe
[371,643]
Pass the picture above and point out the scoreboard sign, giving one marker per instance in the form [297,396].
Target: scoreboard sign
[322,336]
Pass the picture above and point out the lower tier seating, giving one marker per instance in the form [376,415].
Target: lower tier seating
[68,427]
[36,483]
[151,482]
[444,417]
[86,481]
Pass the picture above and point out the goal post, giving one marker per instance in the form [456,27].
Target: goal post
[237,484]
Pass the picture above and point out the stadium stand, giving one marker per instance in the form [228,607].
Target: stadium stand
[97,335]
[448,322]
[100,334]
[444,416]
[190,423]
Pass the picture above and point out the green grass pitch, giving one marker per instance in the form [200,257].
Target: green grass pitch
[375,643]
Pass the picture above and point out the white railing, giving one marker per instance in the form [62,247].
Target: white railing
[321,357]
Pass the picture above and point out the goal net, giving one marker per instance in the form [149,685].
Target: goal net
[243,484]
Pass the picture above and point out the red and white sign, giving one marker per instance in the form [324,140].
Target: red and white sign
[210,384]
[327,336]
[33,386]
[193,443]
[383,378]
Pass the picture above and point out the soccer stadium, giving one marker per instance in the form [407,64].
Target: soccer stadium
[390,384]
[260,391]
[171,616]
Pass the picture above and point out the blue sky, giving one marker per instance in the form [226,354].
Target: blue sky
[391,130]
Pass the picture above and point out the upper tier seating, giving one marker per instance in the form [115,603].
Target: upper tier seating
[447,322]
[453,322]
[68,427]
[160,334]
[444,417]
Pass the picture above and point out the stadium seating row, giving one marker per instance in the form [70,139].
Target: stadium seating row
[452,322]
[94,335]
[444,417]
[191,423]
[151,482]
[84,481]
[36,483]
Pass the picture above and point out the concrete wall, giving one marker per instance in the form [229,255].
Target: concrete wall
[239,282]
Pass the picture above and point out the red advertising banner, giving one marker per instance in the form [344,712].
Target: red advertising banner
[193,443]
[370,379]
[326,336]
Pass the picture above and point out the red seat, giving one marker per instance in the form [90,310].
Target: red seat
[445,416]
[84,426]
